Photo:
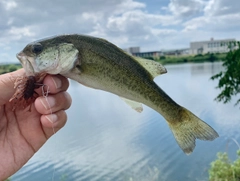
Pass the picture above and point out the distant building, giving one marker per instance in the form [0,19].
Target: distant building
[212,46]
[200,47]
[154,54]
[132,50]
[176,52]
[148,54]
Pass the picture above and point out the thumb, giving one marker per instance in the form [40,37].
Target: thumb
[7,85]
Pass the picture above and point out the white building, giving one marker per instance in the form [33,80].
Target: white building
[212,46]
[155,54]
[132,50]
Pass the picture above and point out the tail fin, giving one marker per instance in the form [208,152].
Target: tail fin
[188,128]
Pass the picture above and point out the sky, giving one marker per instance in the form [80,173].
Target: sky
[150,24]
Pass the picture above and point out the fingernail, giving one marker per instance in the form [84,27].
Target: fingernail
[57,82]
[48,102]
[52,118]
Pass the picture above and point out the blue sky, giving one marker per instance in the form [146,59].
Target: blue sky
[150,24]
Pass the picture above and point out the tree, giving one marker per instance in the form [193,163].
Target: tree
[212,57]
[229,79]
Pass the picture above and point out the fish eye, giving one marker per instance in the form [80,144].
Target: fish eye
[37,48]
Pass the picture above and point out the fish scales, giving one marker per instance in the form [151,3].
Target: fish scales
[116,69]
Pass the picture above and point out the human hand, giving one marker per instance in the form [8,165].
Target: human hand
[22,133]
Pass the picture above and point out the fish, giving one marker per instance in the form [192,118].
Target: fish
[99,64]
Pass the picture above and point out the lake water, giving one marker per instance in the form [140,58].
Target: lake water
[104,139]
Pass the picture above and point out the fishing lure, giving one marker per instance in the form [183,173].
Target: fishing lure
[25,93]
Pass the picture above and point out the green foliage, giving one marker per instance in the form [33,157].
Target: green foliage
[229,79]
[150,58]
[12,68]
[162,57]
[210,57]
[198,55]
[222,169]
[9,68]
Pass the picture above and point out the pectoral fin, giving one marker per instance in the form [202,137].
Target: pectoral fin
[135,105]
[154,68]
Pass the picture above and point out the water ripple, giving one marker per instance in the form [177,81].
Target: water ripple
[104,139]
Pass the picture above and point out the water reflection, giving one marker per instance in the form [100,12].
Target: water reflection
[105,139]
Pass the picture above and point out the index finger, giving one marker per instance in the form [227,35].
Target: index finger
[55,83]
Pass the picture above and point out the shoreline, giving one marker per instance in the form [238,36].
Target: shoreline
[165,60]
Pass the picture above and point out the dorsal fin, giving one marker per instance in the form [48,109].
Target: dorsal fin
[154,68]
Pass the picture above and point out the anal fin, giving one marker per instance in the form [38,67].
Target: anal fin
[135,105]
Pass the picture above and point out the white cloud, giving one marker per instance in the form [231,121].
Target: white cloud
[221,7]
[185,8]
[24,31]
[9,5]
[123,22]
[128,5]
[217,17]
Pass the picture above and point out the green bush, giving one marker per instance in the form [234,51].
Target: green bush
[222,169]
[12,68]
[162,57]
[199,58]
[212,57]
[198,55]
[9,68]
[150,58]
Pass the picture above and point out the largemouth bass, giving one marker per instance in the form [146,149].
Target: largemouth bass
[99,64]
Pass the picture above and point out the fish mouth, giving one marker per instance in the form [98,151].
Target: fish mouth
[23,58]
